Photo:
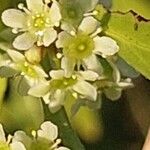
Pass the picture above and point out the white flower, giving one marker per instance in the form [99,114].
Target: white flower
[82,46]
[37,22]
[43,139]
[6,144]
[32,73]
[55,91]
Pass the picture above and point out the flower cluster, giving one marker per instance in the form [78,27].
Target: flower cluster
[43,139]
[86,56]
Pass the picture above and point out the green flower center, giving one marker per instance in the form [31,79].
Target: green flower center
[63,83]
[4,146]
[79,47]
[41,144]
[27,69]
[39,22]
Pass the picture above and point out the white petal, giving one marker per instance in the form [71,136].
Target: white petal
[48,131]
[40,72]
[35,5]
[62,148]
[56,101]
[39,90]
[89,75]
[55,14]
[105,46]
[24,41]
[93,64]
[88,25]
[21,136]
[86,90]
[67,27]
[17,146]
[50,36]
[16,56]
[2,134]
[68,65]
[63,38]
[14,18]
[57,74]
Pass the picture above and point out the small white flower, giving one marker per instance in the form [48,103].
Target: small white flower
[37,22]
[82,46]
[55,91]
[32,73]
[6,144]
[43,139]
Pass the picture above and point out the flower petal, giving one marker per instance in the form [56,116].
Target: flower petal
[39,90]
[49,36]
[17,146]
[2,134]
[57,74]
[63,38]
[63,148]
[20,136]
[14,18]
[86,90]
[48,131]
[56,101]
[105,46]
[68,65]
[24,41]
[40,72]
[88,25]
[89,75]
[55,14]
[16,56]
[93,64]
[35,5]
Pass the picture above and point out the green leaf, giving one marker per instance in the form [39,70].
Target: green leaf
[66,133]
[7,72]
[134,44]
[141,7]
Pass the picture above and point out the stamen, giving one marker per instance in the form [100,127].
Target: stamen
[33,132]
[75,95]
[59,55]
[99,30]
[9,139]
[94,13]
[74,77]
[21,6]
[58,141]
[73,33]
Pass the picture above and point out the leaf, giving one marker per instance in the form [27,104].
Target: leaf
[7,72]
[66,133]
[141,7]
[134,44]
